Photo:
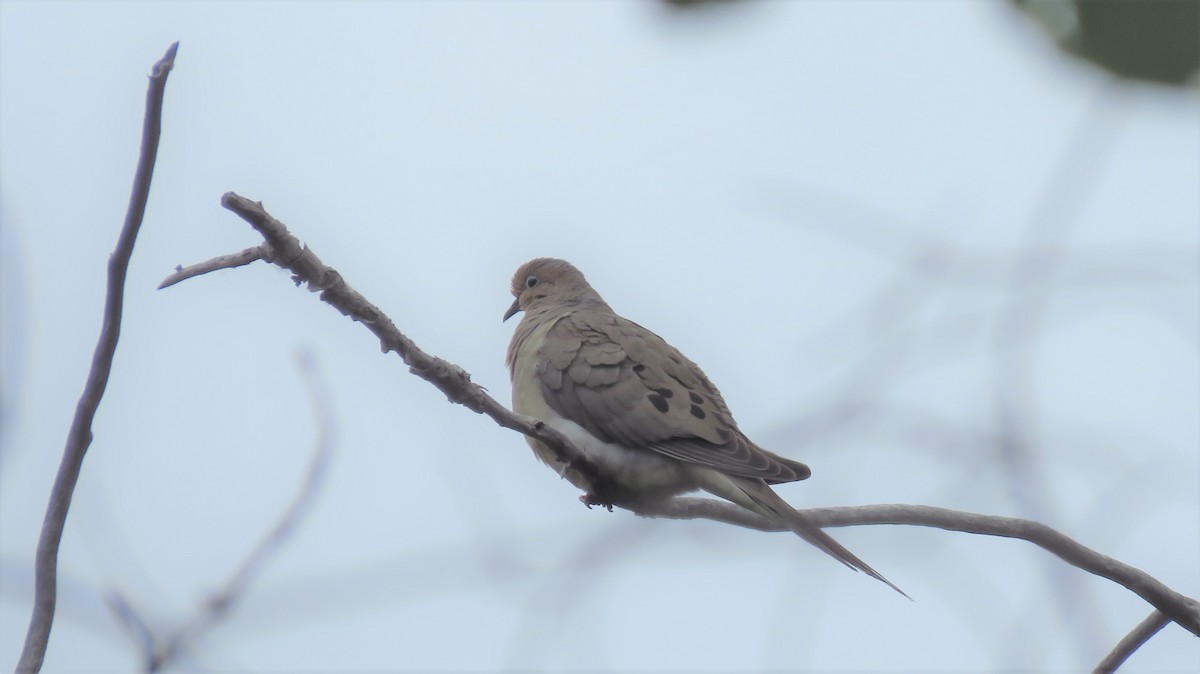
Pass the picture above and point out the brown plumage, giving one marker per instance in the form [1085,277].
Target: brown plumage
[643,412]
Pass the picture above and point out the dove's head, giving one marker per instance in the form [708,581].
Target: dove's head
[547,282]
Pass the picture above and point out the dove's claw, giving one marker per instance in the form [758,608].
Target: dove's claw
[589,499]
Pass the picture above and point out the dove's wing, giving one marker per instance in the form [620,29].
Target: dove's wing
[626,385]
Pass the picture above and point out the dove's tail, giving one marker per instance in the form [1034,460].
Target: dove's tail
[767,499]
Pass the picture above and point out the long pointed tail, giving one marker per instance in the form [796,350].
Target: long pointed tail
[765,497]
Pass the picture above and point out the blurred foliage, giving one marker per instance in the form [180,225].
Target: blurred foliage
[1151,40]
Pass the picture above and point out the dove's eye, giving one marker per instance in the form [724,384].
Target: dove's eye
[531,281]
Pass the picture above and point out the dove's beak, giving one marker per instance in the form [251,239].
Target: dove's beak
[516,306]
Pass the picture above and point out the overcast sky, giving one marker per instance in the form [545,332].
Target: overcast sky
[909,241]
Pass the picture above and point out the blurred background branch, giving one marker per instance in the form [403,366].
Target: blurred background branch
[163,652]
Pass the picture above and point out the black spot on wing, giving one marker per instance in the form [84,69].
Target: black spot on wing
[697,412]
[659,402]
[695,397]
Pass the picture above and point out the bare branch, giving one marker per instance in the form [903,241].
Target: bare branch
[220,262]
[80,436]
[285,250]
[1132,641]
[288,252]
[1182,609]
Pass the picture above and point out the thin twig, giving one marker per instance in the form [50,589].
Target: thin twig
[80,436]
[1132,641]
[220,262]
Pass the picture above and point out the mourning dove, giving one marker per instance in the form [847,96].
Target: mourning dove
[645,415]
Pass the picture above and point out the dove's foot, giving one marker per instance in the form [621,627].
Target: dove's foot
[590,499]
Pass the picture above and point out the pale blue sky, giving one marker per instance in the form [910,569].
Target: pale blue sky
[820,202]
